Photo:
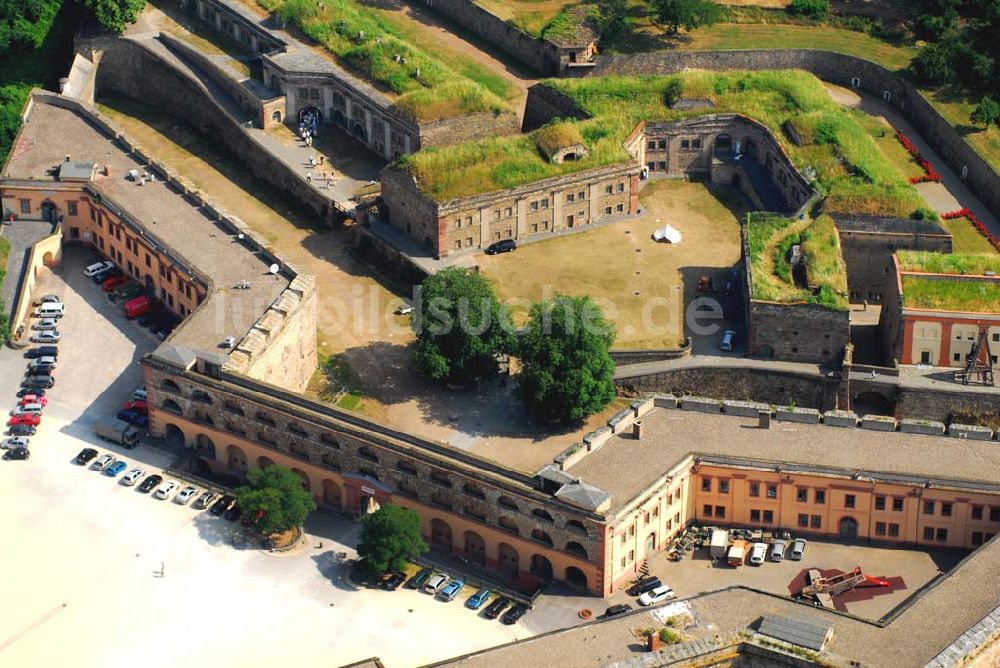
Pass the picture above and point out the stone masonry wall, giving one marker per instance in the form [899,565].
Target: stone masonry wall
[546,103]
[470,127]
[840,69]
[797,332]
[868,257]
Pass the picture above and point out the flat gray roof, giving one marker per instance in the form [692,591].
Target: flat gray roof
[625,468]
[799,630]
[186,231]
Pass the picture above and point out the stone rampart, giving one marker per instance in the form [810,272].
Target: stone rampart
[841,69]
[546,103]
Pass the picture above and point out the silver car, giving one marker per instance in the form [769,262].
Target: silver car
[798,549]
[103,462]
[15,442]
[778,550]
[48,336]
[45,324]
[186,495]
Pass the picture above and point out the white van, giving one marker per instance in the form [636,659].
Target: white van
[51,310]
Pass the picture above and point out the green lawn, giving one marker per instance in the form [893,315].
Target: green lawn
[965,238]
[950,295]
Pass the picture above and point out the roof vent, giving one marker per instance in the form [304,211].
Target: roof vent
[229,342]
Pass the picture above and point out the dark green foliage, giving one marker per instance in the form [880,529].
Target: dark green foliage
[987,112]
[923,213]
[461,327]
[278,492]
[935,62]
[25,23]
[611,18]
[390,537]
[816,10]
[672,92]
[115,15]
[566,373]
[687,14]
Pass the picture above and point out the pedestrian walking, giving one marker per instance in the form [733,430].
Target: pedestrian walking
[321,159]
[865,305]
[309,177]
[162,569]
[312,161]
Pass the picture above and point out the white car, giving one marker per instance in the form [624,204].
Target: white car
[26,409]
[139,395]
[97,268]
[103,462]
[132,476]
[15,442]
[45,324]
[186,495]
[758,553]
[48,336]
[778,550]
[798,549]
[166,489]
[404,309]
[658,595]
[206,499]
[48,299]
[436,583]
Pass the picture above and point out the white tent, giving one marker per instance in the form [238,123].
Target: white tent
[668,234]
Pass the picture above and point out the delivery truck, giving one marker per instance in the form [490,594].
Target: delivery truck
[719,545]
[117,431]
[738,552]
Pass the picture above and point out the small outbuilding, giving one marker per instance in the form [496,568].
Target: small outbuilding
[668,234]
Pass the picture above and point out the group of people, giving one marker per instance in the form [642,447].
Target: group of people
[308,130]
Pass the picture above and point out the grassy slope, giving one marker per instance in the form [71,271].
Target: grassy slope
[955,263]
[965,238]
[949,295]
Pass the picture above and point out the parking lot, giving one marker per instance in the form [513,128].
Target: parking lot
[83,582]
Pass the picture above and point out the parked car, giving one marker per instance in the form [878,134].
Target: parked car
[149,483]
[515,614]
[38,382]
[14,442]
[42,351]
[392,581]
[658,595]
[17,453]
[97,268]
[41,370]
[616,610]
[136,407]
[798,549]
[86,456]
[22,430]
[41,363]
[451,590]
[186,495]
[45,324]
[49,336]
[31,398]
[436,583]
[234,512]
[778,549]
[103,462]
[113,282]
[758,552]
[494,609]
[206,500]
[138,419]
[476,601]
[642,586]
[116,468]
[126,291]
[728,338]
[139,306]
[28,392]
[132,477]
[30,419]
[420,579]
[27,409]
[222,505]
[139,395]
[166,489]
[102,276]
[48,299]
[502,246]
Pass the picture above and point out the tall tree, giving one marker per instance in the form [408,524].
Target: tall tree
[115,15]
[25,22]
[987,112]
[567,373]
[611,18]
[390,537]
[461,327]
[276,492]
[687,14]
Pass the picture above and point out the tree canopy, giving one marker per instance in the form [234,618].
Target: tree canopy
[390,537]
[567,373]
[25,23]
[687,14]
[277,491]
[987,112]
[461,327]
[115,15]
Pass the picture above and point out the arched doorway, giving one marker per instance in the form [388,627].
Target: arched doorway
[236,459]
[276,116]
[765,352]
[475,548]
[173,435]
[306,112]
[576,577]
[204,446]
[508,560]
[172,406]
[360,132]
[576,548]
[541,566]
[848,528]
[338,118]
[749,148]
[651,542]
[264,462]
[735,180]
[305,479]
[723,144]
[441,538]
[332,496]
[49,212]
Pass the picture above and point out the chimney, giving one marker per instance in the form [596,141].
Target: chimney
[653,641]
[637,430]
[67,157]
[763,419]
[63,82]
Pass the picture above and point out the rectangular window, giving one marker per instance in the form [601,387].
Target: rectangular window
[468,242]
[582,194]
[25,205]
[304,93]
[755,516]
[706,510]
[977,512]
[496,214]
[661,165]
[802,495]
[723,487]
[945,509]
[608,189]
[620,208]
[621,187]
[71,208]
[631,556]
[941,536]
[815,521]
[508,211]
[623,562]
[624,538]
[928,533]
[803,520]
[994,514]
[880,528]
[534,206]
[849,500]
[149,261]
[720,512]
[607,210]
[893,530]
[651,165]
[897,505]
[570,197]
[685,144]
[928,507]
[663,144]
[977,537]
[651,144]
[695,143]
[545,203]
[706,484]
[755,489]
[772,491]
[879,503]
[768,517]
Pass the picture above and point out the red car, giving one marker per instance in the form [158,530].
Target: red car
[33,399]
[136,406]
[30,419]
[110,284]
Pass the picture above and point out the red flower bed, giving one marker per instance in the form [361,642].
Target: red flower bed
[978,224]
[930,175]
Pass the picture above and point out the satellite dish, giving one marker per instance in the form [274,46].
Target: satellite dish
[274,268]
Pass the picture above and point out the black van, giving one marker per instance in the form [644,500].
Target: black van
[502,246]
[42,351]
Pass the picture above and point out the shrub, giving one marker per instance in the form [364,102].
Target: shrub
[812,9]
[669,636]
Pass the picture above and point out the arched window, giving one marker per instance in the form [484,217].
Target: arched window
[326,439]
[474,490]
[170,386]
[295,428]
[406,467]
[367,453]
[202,396]
[172,406]
[577,549]
[541,537]
[441,499]
[507,502]
[368,472]
[543,514]
[576,526]
[508,524]
[233,408]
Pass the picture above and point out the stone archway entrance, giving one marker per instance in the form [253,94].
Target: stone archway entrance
[441,538]
[576,577]
[541,566]
[873,403]
[173,435]
[360,132]
[332,495]
[475,548]
[847,529]
[49,212]
[310,111]
[508,560]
